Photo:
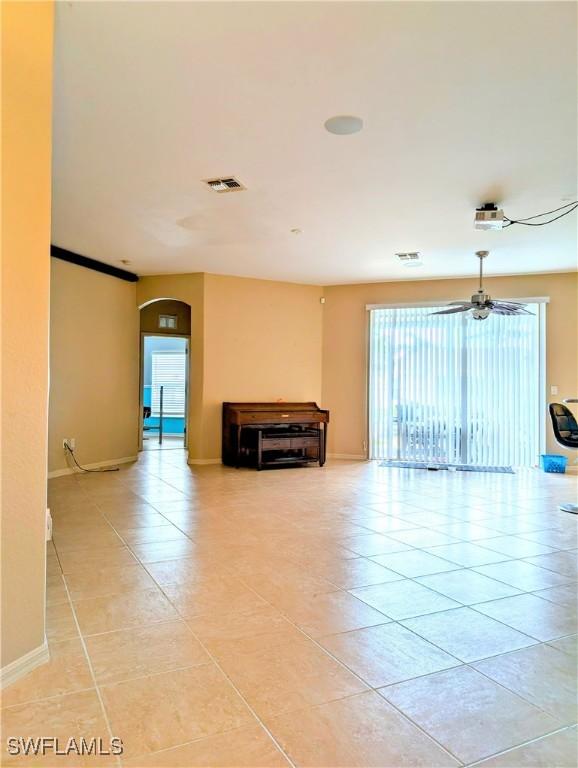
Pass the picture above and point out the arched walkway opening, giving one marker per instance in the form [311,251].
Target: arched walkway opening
[165,333]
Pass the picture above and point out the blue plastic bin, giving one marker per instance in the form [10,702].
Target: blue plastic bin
[553,462]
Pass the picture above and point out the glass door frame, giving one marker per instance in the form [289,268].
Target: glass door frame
[187,339]
[540,301]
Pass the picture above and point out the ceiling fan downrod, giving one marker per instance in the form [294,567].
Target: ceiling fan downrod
[481,256]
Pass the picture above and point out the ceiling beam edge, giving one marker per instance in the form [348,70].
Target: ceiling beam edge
[97,266]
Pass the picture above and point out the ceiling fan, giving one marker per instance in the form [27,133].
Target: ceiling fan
[482,305]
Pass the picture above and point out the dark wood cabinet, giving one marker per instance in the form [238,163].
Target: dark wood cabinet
[274,434]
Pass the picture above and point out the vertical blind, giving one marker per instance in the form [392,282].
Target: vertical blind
[169,371]
[451,389]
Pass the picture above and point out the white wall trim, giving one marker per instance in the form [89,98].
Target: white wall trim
[94,465]
[203,462]
[350,456]
[25,664]
[442,302]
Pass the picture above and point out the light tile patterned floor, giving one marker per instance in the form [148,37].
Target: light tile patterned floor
[345,616]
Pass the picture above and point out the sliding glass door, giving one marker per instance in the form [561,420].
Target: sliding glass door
[451,389]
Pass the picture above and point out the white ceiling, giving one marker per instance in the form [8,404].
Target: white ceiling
[462,103]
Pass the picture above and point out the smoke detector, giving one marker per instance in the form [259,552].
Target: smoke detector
[228,184]
[410,259]
[489,216]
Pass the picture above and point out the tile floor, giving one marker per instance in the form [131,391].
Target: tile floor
[345,616]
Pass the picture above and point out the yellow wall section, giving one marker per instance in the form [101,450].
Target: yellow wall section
[345,341]
[26,138]
[250,340]
[94,359]
[262,342]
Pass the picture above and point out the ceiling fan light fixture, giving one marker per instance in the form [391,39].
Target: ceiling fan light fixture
[481,304]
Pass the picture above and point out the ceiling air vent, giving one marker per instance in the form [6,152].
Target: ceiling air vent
[410,259]
[229,184]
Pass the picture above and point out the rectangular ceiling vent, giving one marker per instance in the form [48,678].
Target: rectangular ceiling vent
[229,184]
[405,257]
[410,259]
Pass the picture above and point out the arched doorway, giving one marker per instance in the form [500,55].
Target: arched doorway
[165,331]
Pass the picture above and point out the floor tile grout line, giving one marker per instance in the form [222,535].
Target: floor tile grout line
[515,693]
[518,746]
[250,708]
[340,589]
[92,674]
[206,663]
[325,651]
[459,540]
[52,697]
[196,741]
[344,666]
[507,558]
[459,661]
[414,579]
[471,568]
[475,661]
[232,684]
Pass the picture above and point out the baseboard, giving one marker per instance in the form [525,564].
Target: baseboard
[202,462]
[25,664]
[349,456]
[94,465]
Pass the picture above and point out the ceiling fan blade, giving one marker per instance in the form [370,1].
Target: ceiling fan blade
[500,309]
[452,310]
[521,311]
[511,307]
[461,303]
[510,304]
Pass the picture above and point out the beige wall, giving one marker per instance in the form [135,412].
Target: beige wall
[262,342]
[190,289]
[94,374]
[26,127]
[149,317]
[345,341]
[250,340]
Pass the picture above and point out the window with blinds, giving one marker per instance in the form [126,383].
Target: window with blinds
[169,371]
[451,389]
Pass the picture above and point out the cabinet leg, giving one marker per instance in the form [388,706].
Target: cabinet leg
[238,451]
[322,446]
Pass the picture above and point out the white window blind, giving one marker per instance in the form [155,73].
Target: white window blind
[450,389]
[169,371]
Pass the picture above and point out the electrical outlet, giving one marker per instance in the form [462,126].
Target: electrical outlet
[553,389]
[70,442]
[48,525]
